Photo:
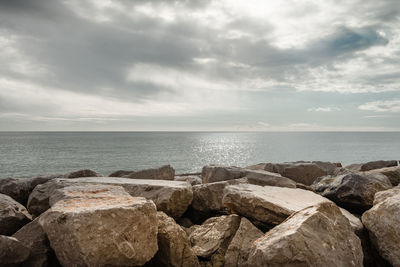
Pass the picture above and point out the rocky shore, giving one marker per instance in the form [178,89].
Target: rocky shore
[269,214]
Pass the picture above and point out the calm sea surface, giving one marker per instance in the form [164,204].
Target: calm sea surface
[31,153]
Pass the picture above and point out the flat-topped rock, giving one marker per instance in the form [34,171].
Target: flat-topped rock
[218,173]
[174,247]
[383,224]
[272,205]
[191,179]
[261,177]
[12,251]
[101,226]
[12,215]
[354,191]
[172,197]
[315,236]
[372,165]
[165,172]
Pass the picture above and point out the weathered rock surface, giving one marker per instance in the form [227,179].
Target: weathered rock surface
[12,251]
[260,177]
[372,165]
[239,249]
[172,197]
[211,240]
[191,179]
[383,224]
[174,247]
[392,173]
[20,188]
[34,238]
[102,226]
[301,171]
[217,173]
[165,172]
[271,205]
[315,236]
[354,192]
[12,215]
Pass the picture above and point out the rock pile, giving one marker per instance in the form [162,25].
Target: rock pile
[269,214]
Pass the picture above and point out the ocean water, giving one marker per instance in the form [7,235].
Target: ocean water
[25,154]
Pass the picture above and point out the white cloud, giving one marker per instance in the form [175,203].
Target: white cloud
[324,109]
[382,106]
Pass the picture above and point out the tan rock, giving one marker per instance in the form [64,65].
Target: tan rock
[174,247]
[217,173]
[372,165]
[12,215]
[99,227]
[165,172]
[383,224]
[191,179]
[172,197]
[260,177]
[272,205]
[12,251]
[239,249]
[212,238]
[315,236]
[392,173]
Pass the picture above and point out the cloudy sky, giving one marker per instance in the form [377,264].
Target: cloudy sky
[200,65]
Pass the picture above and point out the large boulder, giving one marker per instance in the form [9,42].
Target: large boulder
[20,188]
[33,237]
[315,236]
[101,225]
[354,191]
[383,224]
[217,173]
[12,251]
[174,247]
[211,240]
[269,206]
[12,215]
[301,171]
[392,173]
[165,172]
[191,179]
[372,165]
[172,197]
[239,249]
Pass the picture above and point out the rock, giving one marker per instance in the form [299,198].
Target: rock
[215,173]
[383,224]
[301,171]
[354,192]
[392,173]
[211,240]
[174,247]
[372,165]
[239,249]
[315,236]
[191,179]
[165,172]
[20,188]
[260,177]
[269,206]
[12,215]
[101,225]
[12,251]
[172,197]
[34,238]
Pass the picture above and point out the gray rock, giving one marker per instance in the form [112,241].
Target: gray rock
[12,251]
[174,247]
[239,249]
[12,215]
[33,237]
[165,172]
[372,165]
[315,236]
[101,225]
[191,179]
[354,192]
[383,224]
[216,173]
[172,197]
[392,173]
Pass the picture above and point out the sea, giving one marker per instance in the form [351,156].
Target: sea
[27,154]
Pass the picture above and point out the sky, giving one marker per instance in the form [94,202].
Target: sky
[210,65]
